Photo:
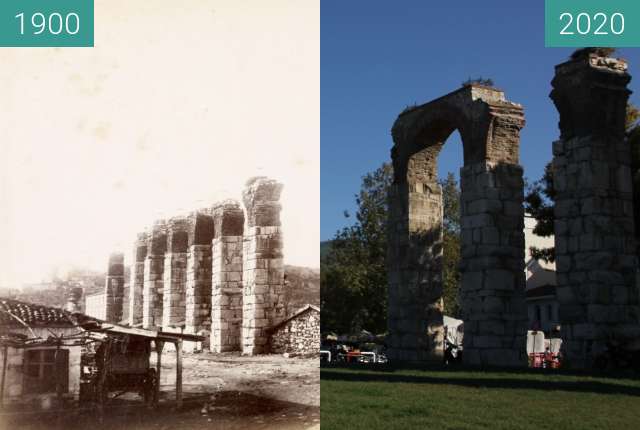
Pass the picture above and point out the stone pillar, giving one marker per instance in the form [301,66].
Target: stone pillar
[136,284]
[226,274]
[415,271]
[198,287]
[175,273]
[595,244]
[492,293]
[263,271]
[152,300]
[114,288]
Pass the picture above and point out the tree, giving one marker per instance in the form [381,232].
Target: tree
[353,277]
[353,271]
[451,245]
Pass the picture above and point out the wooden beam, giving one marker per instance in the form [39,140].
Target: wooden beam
[178,345]
[110,328]
[59,376]
[159,347]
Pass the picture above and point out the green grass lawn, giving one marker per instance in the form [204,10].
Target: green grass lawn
[439,399]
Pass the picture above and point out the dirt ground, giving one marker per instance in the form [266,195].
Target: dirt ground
[295,380]
[221,391]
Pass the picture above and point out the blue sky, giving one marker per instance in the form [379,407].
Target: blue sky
[378,56]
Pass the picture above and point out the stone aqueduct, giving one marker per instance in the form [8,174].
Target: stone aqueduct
[207,274]
[595,239]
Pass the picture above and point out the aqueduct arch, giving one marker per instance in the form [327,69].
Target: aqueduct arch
[492,287]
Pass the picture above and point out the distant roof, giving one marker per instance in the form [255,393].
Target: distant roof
[13,311]
[298,313]
[541,291]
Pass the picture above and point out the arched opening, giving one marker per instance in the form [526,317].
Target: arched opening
[203,230]
[489,231]
[179,241]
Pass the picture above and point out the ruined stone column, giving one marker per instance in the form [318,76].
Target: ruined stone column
[415,266]
[137,280]
[226,284]
[198,287]
[595,244]
[152,301]
[175,273]
[492,217]
[492,293]
[263,271]
[114,288]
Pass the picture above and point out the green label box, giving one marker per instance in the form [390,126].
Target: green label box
[46,23]
[598,23]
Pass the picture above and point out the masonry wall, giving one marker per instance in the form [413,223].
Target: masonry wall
[137,280]
[152,297]
[226,286]
[300,335]
[492,263]
[207,274]
[175,274]
[114,288]
[263,270]
[595,242]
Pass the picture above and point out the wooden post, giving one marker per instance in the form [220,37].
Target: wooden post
[5,352]
[178,344]
[102,377]
[159,346]
[59,376]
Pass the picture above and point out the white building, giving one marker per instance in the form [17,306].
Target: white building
[94,305]
[542,305]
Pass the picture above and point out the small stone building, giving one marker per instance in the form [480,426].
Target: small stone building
[298,334]
[35,367]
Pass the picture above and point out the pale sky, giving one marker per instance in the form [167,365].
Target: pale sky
[178,104]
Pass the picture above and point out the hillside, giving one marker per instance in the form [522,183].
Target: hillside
[302,287]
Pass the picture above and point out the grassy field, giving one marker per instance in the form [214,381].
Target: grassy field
[438,399]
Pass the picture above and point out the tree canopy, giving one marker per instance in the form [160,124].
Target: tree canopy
[353,269]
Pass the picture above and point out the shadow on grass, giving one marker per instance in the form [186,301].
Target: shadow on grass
[386,374]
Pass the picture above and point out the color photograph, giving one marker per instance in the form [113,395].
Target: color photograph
[479,217]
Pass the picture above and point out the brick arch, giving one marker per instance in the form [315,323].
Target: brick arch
[492,290]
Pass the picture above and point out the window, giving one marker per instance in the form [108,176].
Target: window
[42,370]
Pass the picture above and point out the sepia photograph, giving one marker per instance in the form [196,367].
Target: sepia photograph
[160,219]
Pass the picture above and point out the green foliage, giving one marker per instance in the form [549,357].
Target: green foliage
[353,277]
[353,269]
[451,245]
[487,82]
[539,202]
